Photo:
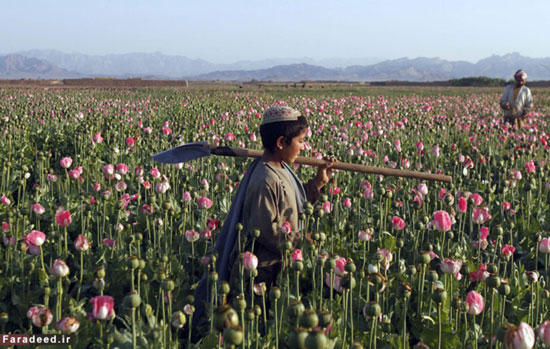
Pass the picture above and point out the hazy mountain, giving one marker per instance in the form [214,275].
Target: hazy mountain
[168,66]
[292,72]
[21,67]
[505,66]
[54,64]
[418,69]
[127,65]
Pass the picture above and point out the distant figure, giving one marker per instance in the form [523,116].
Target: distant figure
[516,100]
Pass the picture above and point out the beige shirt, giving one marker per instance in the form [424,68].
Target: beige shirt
[270,201]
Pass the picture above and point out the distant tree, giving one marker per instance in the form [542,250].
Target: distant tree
[478,81]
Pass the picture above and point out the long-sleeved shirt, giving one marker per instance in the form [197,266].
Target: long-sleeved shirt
[269,202]
[520,105]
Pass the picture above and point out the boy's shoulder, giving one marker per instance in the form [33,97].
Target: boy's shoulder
[265,173]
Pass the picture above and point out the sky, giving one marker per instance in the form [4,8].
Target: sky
[222,31]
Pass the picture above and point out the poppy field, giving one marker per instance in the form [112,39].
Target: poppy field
[101,242]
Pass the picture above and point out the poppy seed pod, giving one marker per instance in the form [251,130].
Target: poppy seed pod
[225,316]
[372,309]
[315,340]
[297,338]
[493,281]
[132,300]
[233,335]
[325,319]
[296,309]
[240,303]
[275,292]
[309,319]
[439,295]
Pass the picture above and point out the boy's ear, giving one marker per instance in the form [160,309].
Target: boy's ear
[280,142]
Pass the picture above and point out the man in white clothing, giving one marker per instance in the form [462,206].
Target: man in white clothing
[516,100]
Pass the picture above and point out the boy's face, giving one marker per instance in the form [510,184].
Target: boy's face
[290,152]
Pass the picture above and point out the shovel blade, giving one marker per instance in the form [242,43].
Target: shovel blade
[182,153]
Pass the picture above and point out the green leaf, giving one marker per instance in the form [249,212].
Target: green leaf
[449,339]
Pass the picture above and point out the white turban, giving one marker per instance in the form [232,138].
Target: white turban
[520,74]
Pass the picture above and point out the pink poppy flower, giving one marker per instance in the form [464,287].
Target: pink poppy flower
[38,209]
[5,227]
[206,234]
[462,204]
[63,217]
[365,236]
[388,257]
[35,238]
[339,268]
[59,268]
[81,243]
[483,233]
[204,202]
[40,316]
[103,307]
[147,209]
[109,242]
[442,221]
[297,255]
[97,138]
[191,235]
[507,250]
[213,224]
[334,190]
[398,223]
[161,188]
[477,199]
[286,228]
[544,245]
[347,202]
[481,215]
[4,200]
[530,166]
[67,325]
[422,189]
[250,261]
[481,274]
[451,266]
[154,172]
[368,194]
[475,303]
[520,337]
[397,144]
[121,186]
[544,332]
[130,141]
[8,241]
[186,196]
[66,162]
[108,169]
[327,207]
[122,169]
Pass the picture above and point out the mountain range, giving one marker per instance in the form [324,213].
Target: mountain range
[48,64]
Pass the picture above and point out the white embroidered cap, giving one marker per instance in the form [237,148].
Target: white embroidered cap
[276,114]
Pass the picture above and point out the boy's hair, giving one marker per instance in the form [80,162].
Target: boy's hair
[288,129]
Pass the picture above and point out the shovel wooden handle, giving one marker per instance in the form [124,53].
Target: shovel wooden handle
[244,152]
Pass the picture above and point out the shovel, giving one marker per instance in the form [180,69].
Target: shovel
[191,151]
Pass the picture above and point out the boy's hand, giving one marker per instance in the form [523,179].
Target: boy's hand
[324,173]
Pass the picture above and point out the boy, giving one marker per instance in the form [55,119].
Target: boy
[269,195]
[274,194]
